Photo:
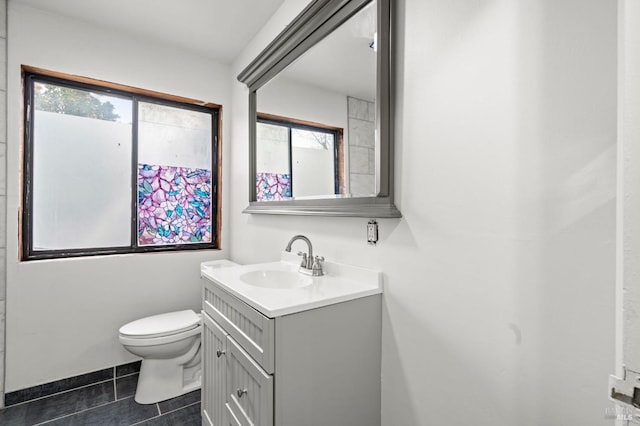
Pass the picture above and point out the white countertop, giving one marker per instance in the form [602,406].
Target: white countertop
[339,284]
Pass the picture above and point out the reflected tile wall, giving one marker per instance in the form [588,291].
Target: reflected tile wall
[3,194]
[359,160]
[361,140]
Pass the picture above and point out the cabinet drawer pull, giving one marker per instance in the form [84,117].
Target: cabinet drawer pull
[241,392]
[219,353]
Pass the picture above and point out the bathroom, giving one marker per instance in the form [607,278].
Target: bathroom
[500,302]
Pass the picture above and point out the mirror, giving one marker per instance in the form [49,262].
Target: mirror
[315,133]
[320,114]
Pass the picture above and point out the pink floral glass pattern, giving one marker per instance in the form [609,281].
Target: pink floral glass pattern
[174,205]
[273,186]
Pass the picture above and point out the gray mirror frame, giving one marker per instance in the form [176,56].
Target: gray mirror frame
[315,22]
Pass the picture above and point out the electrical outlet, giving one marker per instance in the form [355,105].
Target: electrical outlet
[372,232]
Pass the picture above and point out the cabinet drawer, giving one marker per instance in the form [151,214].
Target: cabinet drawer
[249,389]
[252,330]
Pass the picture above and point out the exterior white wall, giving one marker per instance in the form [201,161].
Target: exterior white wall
[500,277]
[63,316]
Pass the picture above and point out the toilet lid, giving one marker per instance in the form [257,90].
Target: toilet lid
[161,325]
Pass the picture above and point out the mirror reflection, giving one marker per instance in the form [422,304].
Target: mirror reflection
[315,135]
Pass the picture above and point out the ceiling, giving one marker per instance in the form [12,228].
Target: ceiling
[218,29]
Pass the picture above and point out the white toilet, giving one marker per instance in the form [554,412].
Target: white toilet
[169,345]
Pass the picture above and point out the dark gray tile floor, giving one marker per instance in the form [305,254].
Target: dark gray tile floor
[106,403]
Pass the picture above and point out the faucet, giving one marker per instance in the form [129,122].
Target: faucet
[310,265]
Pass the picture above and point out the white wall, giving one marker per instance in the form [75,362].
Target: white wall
[290,98]
[500,277]
[3,197]
[63,316]
[628,339]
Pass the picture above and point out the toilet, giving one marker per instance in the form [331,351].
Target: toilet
[169,345]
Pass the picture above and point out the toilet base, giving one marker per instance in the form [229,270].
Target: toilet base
[159,381]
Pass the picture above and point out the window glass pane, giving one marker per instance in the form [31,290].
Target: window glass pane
[81,169]
[313,166]
[174,175]
[273,180]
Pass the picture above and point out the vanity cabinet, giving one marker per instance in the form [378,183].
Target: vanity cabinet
[214,346]
[314,367]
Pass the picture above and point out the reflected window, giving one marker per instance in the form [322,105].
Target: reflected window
[296,159]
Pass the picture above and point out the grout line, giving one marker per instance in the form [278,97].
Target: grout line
[77,412]
[125,375]
[115,388]
[181,408]
[115,367]
[144,421]
[160,414]
[58,393]
[163,414]
[128,375]
[72,389]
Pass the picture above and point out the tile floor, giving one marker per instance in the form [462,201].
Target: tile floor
[101,398]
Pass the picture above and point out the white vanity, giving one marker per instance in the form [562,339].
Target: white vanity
[281,348]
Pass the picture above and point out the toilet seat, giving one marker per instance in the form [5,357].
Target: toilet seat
[162,325]
[170,347]
[155,340]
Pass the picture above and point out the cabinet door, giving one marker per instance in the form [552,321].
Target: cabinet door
[249,388]
[214,347]
[233,420]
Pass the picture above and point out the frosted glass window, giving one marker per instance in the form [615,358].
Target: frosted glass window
[81,170]
[111,171]
[174,175]
[272,148]
[172,136]
[273,177]
[313,165]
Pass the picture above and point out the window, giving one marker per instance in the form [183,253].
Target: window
[111,169]
[297,159]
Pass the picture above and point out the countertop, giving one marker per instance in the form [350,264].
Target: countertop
[339,284]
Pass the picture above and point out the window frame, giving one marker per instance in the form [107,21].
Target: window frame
[32,75]
[338,145]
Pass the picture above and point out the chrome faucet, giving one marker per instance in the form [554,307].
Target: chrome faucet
[309,265]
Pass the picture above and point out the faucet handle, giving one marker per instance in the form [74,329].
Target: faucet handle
[317,266]
[303,263]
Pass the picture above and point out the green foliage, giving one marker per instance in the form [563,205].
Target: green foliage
[64,100]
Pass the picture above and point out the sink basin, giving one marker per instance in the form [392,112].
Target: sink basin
[276,279]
